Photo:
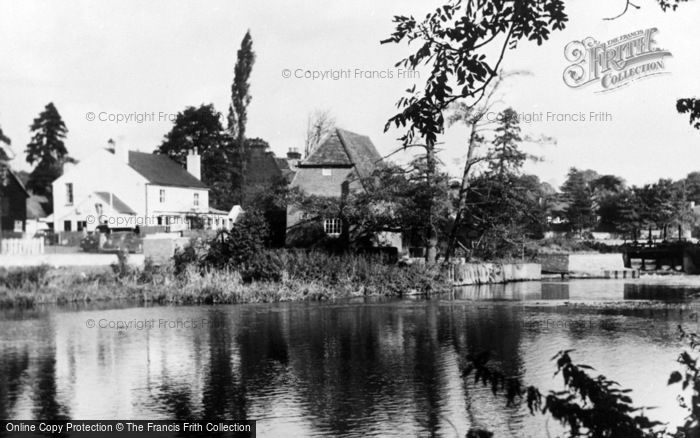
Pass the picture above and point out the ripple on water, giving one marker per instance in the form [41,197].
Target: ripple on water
[389,367]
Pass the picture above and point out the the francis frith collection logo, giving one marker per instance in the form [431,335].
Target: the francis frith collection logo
[614,63]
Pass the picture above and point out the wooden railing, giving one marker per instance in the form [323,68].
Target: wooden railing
[22,246]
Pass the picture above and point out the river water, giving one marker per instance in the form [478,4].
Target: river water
[355,368]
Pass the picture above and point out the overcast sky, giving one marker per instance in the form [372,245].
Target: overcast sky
[161,56]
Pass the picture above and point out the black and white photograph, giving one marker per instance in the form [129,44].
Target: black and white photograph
[307,218]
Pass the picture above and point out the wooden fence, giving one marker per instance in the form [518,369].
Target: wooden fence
[22,246]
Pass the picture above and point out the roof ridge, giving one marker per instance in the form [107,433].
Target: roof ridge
[343,142]
[359,174]
[161,169]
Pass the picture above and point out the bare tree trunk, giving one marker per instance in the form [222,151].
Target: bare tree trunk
[243,168]
[463,189]
[431,253]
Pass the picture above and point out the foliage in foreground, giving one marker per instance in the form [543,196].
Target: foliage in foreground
[591,406]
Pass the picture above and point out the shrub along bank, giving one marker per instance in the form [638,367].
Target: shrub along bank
[236,266]
[273,275]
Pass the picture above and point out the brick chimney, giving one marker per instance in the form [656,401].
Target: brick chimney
[194,164]
[293,157]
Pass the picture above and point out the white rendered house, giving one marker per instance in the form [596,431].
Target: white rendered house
[126,189]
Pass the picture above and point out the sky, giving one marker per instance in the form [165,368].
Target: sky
[156,58]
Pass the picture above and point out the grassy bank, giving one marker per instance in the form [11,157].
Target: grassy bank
[289,277]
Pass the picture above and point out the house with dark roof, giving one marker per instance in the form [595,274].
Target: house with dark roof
[336,166]
[123,189]
[264,169]
[13,199]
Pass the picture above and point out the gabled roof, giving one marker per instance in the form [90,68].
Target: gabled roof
[330,152]
[117,204]
[19,181]
[161,170]
[344,148]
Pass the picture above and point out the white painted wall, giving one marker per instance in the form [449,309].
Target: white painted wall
[105,172]
[177,200]
[101,172]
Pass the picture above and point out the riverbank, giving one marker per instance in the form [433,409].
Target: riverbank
[310,277]
[202,273]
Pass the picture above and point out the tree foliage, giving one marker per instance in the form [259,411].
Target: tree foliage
[4,156]
[235,247]
[579,198]
[46,150]
[689,378]
[588,406]
[454,42]
[503,207]
[503,214]
[506,156]
[690,106]
[393,199]
[200,129]
[240,89]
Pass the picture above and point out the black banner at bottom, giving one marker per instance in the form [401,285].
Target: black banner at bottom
[127,428]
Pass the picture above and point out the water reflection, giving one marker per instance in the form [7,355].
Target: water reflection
[13,365]
[641,291]
[576,290]
[360,369]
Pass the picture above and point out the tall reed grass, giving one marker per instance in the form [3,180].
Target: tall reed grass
[273,276]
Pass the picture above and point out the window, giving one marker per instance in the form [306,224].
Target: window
[19,226]
[326,172]
[81,225]
[69,193]
[67,226]
[161,196]
[333,227]
[195,201]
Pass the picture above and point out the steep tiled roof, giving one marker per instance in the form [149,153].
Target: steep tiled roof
[362,152]
[117,204]
[161,170]
[345,148]
[351,158]
[330,152]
